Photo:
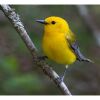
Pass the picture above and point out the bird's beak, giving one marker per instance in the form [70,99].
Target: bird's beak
[42,21]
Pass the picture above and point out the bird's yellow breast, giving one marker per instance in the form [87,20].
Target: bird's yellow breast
[57,49]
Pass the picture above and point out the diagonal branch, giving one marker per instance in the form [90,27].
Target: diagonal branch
[18,25]
[90,21]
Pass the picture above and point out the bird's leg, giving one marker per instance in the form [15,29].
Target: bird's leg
[42,57]
[61,78]
[63,75]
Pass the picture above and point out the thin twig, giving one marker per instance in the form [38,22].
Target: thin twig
[18,25]
[89,21]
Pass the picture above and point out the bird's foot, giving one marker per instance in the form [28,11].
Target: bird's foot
[42,57]
[60,79]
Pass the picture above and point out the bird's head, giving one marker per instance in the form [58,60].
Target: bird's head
[54,25]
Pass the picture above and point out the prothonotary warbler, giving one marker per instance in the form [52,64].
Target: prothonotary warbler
[59,42]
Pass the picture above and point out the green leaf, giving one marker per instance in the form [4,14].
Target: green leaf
[24,84]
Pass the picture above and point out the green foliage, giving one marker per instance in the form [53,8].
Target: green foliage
[9,65]
[22,84]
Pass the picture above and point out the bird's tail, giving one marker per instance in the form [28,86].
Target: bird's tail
[86,60]
[79,55]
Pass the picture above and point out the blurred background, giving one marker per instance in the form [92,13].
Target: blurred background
[18,74]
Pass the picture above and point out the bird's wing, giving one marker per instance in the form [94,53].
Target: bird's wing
[73,44]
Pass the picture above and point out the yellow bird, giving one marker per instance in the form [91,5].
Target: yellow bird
[59,42]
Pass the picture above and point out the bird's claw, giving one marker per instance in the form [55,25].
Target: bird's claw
[60,79]
[42,57]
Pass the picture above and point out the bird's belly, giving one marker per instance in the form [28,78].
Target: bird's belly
[58,51]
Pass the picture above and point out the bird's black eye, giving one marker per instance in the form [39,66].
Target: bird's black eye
[53,22]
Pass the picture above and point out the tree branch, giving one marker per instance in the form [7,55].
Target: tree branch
[89,21]
[18,25]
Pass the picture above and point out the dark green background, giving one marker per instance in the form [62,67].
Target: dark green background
[18,75]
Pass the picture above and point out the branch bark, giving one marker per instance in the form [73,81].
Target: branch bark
[89,21]
[18,25]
